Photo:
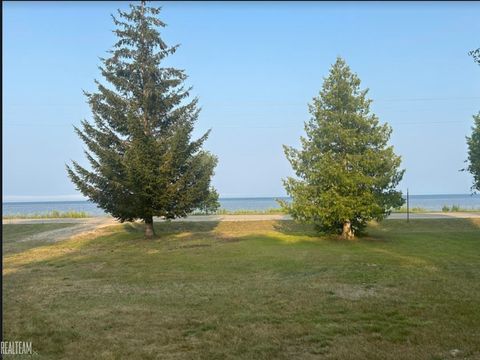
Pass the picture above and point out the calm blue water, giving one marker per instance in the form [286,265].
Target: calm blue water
[430,202]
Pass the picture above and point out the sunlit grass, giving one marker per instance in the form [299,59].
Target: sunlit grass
[251,290]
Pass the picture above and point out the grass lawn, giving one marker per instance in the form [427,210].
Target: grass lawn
[251,290]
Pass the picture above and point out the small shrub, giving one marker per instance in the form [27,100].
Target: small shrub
[445,208]
[455,208]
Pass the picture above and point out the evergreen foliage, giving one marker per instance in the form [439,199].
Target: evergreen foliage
[143,159]
[476,55]
[211,204]
[473,142]
[346,172]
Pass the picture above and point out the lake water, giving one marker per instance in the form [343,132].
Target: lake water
[430,202]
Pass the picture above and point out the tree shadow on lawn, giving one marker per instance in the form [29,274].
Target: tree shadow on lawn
[123,237]
[292,228]
[123,243]
[386,230]
[172,227]
[176,235]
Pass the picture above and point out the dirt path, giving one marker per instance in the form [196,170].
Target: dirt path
[83,227]
[94,224]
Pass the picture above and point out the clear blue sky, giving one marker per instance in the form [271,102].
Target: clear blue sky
[254,66]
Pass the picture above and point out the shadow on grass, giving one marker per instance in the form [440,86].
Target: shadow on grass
[291,227]
[165,228]
[174,227]
[383,231]
[172,236]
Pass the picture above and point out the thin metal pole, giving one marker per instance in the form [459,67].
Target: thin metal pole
[408,207]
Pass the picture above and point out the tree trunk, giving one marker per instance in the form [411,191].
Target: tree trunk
[149,231]
[347,232]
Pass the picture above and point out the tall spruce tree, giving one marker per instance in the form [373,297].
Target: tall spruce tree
[143,159]
[347,173]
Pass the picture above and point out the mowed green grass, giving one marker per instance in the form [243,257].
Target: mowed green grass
[249,290]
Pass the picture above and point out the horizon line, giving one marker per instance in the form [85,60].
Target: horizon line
[76,198]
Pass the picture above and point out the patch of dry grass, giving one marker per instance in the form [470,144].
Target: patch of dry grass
[53,214]
[248,290]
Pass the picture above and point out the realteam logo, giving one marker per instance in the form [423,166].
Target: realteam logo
[16,348]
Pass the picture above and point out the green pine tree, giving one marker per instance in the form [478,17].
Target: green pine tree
[143,160]
[473,161]
[346,172]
